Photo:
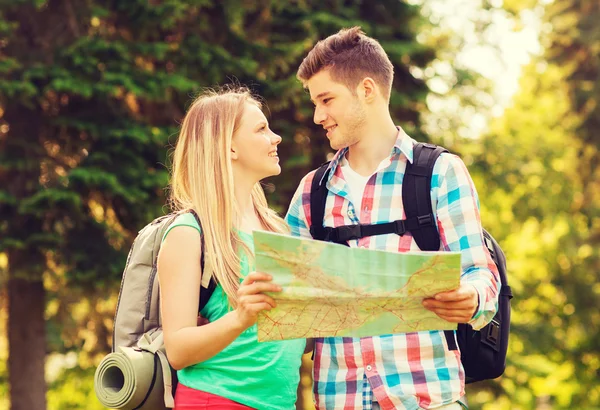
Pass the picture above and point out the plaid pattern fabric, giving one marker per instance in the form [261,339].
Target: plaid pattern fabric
[411,370]
[367,395]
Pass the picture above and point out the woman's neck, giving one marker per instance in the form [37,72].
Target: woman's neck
[248,218]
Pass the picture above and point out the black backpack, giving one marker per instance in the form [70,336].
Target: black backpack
[483,352]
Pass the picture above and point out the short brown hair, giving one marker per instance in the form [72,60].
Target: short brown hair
[350,55]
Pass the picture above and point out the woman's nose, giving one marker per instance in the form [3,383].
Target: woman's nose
[275,139]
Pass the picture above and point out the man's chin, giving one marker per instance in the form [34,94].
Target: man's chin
[338,145]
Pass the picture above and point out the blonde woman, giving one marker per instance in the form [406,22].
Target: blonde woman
[224,149]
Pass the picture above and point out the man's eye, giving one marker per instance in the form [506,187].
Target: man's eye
[326,100]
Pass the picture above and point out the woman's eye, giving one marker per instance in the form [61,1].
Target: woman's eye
[326,100]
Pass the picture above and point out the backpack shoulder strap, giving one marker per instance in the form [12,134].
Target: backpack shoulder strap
[416,196]
[205,293]
[318,198]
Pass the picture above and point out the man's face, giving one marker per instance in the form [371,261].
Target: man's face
[341,113]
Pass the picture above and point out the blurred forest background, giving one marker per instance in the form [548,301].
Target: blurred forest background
[91,93]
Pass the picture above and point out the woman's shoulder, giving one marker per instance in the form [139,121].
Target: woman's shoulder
[184,219]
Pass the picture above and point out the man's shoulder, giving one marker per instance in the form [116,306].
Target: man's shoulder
[302,194]
[307,180]
[448,161]
[450,170]
[298,211]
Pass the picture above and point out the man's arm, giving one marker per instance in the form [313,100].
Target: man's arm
[298,215]
[476,300]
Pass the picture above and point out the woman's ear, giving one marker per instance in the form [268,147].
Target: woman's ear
[234,154]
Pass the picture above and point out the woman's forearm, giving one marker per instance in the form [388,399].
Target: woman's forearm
[191,345]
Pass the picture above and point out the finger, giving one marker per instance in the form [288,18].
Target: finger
[457,316]
[452,312]
[452,305]
[258,287]
[452,296]
[258,307]
[247,301]
[257,276]
[465,291]
[454,319]
[255,308]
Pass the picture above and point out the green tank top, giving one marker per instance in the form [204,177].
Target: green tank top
[260,375]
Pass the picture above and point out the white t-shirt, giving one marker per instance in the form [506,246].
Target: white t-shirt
[356,182]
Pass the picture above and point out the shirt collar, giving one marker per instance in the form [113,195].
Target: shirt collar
[403,145]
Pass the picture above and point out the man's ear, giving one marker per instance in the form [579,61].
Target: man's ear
[367,89]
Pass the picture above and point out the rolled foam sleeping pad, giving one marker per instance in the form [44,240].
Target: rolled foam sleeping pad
[130,379]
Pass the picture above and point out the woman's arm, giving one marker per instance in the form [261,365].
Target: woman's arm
[179,276]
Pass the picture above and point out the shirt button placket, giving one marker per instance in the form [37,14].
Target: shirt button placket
[351,213]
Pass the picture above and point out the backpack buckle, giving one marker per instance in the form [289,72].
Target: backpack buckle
[492,335]
[400,227]
[348,232]
[425,220]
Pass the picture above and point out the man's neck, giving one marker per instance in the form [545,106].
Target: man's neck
[374,146]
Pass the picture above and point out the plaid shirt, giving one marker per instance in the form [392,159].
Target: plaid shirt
[410,370]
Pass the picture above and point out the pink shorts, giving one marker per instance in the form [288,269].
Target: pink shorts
[192,399]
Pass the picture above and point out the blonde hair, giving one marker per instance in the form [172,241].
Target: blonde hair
[202,180]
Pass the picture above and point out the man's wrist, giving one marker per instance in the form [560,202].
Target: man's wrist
[477,312]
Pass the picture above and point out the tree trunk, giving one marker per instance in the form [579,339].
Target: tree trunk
[26,335]
[26,262]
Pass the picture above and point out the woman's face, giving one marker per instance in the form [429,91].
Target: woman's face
[254,145]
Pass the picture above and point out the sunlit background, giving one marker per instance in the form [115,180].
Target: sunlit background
[91,93]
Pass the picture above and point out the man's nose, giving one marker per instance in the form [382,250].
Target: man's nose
[319,117]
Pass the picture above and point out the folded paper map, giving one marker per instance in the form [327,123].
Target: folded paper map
[334,290]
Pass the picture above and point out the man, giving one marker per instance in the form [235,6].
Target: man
[349,77]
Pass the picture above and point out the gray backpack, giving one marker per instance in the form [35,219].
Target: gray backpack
[137,375]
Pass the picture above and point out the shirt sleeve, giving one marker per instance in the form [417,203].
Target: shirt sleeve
[459,224]
[298,214]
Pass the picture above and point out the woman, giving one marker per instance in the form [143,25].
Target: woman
[224,149]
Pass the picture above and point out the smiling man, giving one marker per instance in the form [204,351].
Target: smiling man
[349,77]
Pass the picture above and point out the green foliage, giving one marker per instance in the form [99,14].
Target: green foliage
[533,200]
[74,390]
[91,94]
[537,176]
